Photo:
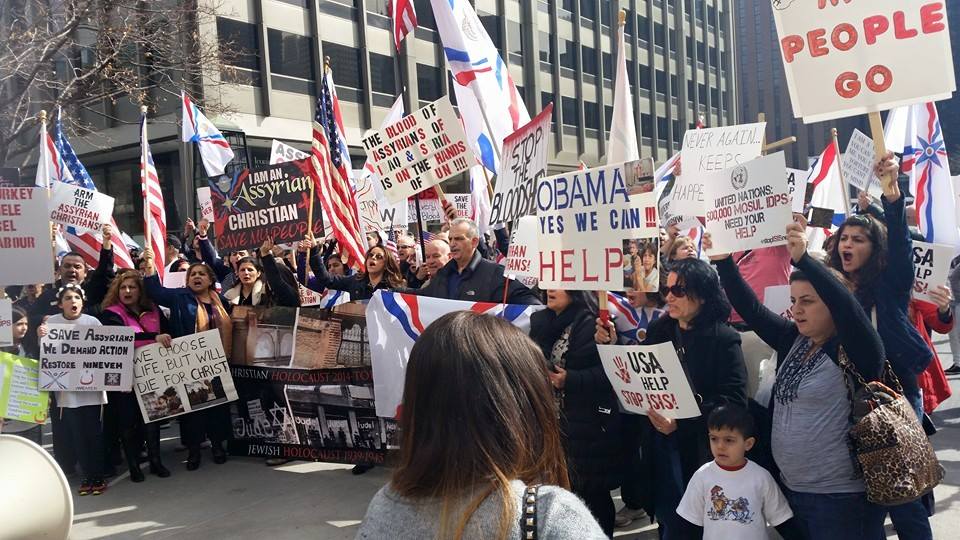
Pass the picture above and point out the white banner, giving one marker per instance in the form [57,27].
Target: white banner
[932,265]
[191,375]
[707,151]
[648,377]
[205,202]
[282,153]
[748,206]
[848,58]
[84,209]
[25,237]
[419,151]
[524,164]
[6,322]
[86,358]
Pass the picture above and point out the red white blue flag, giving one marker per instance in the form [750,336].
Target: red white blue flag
[215,151]
[404,19]
[154,211]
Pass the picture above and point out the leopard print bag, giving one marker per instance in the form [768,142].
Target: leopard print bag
[893,452]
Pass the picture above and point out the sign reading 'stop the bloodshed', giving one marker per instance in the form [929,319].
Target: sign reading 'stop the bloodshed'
[270,203]
[849,57]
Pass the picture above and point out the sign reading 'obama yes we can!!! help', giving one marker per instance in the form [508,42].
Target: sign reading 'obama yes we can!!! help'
[583,218]
[86,358]
[419,151]
[648,377]
[524,164]
[849,57]
[749,205]
[84,209]
[25,235]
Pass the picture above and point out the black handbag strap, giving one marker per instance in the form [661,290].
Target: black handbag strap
[528,511]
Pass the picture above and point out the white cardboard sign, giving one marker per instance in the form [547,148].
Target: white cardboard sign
[84,209]
[858,162]
[205,201]
[25,236]
[523,255]
[706,151]
[419,151]
[6,322]
[86,358]
[853,57]
[524,163]
[376,214]
[932,265]
[282,153]
[748,205]
[648,377]
[797,188]
[776,298]
[462,202]
[430,210]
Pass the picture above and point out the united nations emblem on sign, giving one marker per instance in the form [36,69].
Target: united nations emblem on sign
[739,177]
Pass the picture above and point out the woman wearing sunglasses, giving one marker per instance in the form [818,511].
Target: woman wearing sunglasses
[381,271]
[709,349]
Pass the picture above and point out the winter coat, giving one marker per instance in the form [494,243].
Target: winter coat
[276,287]
[182,303]
[590,419]
[358,285]
[481,281]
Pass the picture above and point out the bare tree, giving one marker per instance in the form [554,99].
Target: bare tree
[87,56]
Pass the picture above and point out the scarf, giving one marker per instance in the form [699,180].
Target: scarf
[222,323]
[795,368]
[234,295]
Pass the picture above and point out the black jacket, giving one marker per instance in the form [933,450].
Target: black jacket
[590,418]
[481,281]
[358,285]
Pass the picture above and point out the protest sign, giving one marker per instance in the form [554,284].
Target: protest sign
[20,397]
[462,202]
[84,209]
[191,375]
[748,206]
[796,188]
[6,322]
[648,377]
[848,58]
[932,264]
[306,389]
[174,280]
[777,299]
[858,162]
[376,214]
[86,358]
[523,255]
[583,218]
[25,237]
[270,203]
[282,153]
[524,163]
[10,177]
[205,202]
[327,300]
[711,150]
[419,151]
[430,210]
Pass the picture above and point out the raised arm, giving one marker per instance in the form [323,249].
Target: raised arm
[284,292]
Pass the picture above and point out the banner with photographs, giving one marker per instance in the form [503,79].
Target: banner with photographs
[305,386]
[190,375]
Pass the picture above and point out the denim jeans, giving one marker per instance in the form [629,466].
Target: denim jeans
[911,520]
[837,516]
[668,486]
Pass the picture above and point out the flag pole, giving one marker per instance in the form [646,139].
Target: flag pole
[46,179]
[143,178]
[843,182]
[423,246]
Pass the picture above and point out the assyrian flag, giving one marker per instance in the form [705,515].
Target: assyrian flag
[481,80]
[395,321]
[925,160]
[622,146]
[404,19]
[154,212]
[631,324]
[62,164]
[215,151]
[828,192]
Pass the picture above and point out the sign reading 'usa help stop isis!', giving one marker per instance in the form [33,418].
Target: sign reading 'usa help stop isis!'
[649,377]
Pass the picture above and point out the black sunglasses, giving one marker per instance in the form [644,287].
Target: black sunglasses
[678,291]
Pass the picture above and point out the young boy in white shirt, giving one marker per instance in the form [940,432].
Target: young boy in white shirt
[731,497]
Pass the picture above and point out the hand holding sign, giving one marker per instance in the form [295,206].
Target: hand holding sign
[107,232]
[942,297]
[796,241]
[661,423]
[707,244]
[888,169]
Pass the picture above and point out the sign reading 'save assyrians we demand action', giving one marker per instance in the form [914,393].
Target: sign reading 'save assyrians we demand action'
[932,265]
[709,150]
[524,164]
[850,57]
[84,209]
[748,206]
[419,151]
[86,358]
[648,377]
[583,218]
[25,236]
[192,374]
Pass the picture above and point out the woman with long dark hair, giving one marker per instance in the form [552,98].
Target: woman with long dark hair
[381,271]
[589,416]
[127,304]
[197,307]
[479,434]
[709,349]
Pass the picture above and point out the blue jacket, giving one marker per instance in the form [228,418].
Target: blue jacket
[181,302]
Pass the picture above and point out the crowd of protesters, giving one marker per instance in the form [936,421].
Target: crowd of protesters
[543,429]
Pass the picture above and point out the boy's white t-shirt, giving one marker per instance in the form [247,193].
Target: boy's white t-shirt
[72,400]
[734,504]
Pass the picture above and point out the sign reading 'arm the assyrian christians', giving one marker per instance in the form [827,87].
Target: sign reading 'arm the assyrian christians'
[419,151]
[524,164]
[84,209]
[583,218]
[850,57]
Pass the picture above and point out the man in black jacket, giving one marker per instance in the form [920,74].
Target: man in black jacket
[470,277]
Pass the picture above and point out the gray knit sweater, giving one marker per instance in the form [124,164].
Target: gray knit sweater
[560,515]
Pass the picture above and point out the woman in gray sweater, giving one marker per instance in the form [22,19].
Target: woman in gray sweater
[481,453]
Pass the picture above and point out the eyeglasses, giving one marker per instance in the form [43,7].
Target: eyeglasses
[376,256]
[678,291]
[405,247]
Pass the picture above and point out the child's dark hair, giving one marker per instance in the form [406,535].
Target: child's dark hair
[71,287]
[732,417]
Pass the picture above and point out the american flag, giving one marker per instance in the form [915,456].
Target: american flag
[332,184]
[427,236]
[66,168]
[154,213]
[404,19]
